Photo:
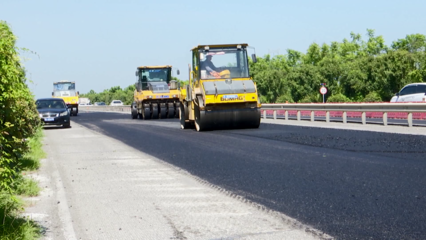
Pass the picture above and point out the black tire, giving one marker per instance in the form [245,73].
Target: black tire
[177,107]
[154,111]
[67,125]
[146,111]
[182,115]
[163,112]
[146,114]
[171,110]
[198,123]
[133,111]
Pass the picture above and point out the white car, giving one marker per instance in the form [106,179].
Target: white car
[116,103]
[414,92]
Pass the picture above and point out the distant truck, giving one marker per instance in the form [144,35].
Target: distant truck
[66,90]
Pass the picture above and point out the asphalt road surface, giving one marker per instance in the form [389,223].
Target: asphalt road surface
[349,184]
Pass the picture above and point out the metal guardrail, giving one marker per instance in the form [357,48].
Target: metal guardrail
[106,108]
[346,108]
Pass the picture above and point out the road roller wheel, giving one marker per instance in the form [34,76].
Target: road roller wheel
[183,124]
[177,107]
[146,113]
[163,112]
[154,111]
[133,111]
[171,110]
[198,123]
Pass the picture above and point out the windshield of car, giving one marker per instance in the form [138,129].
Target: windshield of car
[225,63]
[155,74]
[46,104]
[117,101]
[64,89]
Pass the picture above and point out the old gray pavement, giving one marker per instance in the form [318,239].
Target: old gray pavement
[95,187]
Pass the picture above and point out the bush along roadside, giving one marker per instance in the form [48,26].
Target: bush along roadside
[20,141]
[14,226]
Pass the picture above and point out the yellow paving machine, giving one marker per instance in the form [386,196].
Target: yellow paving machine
[220,94]
[66,90]
[156,94]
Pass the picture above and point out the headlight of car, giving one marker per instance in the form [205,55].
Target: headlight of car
[40,115]
[64,113]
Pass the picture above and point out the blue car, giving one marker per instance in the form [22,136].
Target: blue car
[53,111]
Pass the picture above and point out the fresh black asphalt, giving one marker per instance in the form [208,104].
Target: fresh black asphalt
[349,184]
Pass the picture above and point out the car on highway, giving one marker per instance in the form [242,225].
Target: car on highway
[99,104]
[414,92]
[116,103]
[53,111]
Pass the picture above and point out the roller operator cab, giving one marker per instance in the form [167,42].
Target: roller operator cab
[156,94]
[66,90]
[220,94]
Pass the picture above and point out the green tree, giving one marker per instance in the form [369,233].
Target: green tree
[18,114]
[411,43]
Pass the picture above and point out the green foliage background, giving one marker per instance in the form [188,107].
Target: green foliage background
[354,70]
[18,114]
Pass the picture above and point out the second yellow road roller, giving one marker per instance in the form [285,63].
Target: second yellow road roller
[156,94]
[220,94]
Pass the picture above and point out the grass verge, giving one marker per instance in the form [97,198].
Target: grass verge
[12,224]
[31,160]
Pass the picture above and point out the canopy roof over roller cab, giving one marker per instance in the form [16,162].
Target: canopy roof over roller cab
[155,67]
[219,46]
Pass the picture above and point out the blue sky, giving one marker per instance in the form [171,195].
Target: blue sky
[99,44]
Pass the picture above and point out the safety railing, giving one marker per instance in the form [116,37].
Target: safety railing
[314,111]
[345,110]
[105,108]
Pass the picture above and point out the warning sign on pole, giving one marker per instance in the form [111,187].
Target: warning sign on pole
[323,90]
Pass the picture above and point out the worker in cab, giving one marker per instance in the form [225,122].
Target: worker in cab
[208,66]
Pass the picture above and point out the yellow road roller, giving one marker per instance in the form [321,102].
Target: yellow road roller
[156,94]
[220,94]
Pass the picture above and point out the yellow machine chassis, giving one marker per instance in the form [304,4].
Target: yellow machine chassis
[213,111]
[151,105]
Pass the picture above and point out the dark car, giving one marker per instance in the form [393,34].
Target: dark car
[53,111]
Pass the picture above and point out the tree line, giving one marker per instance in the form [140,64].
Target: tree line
[353,70]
